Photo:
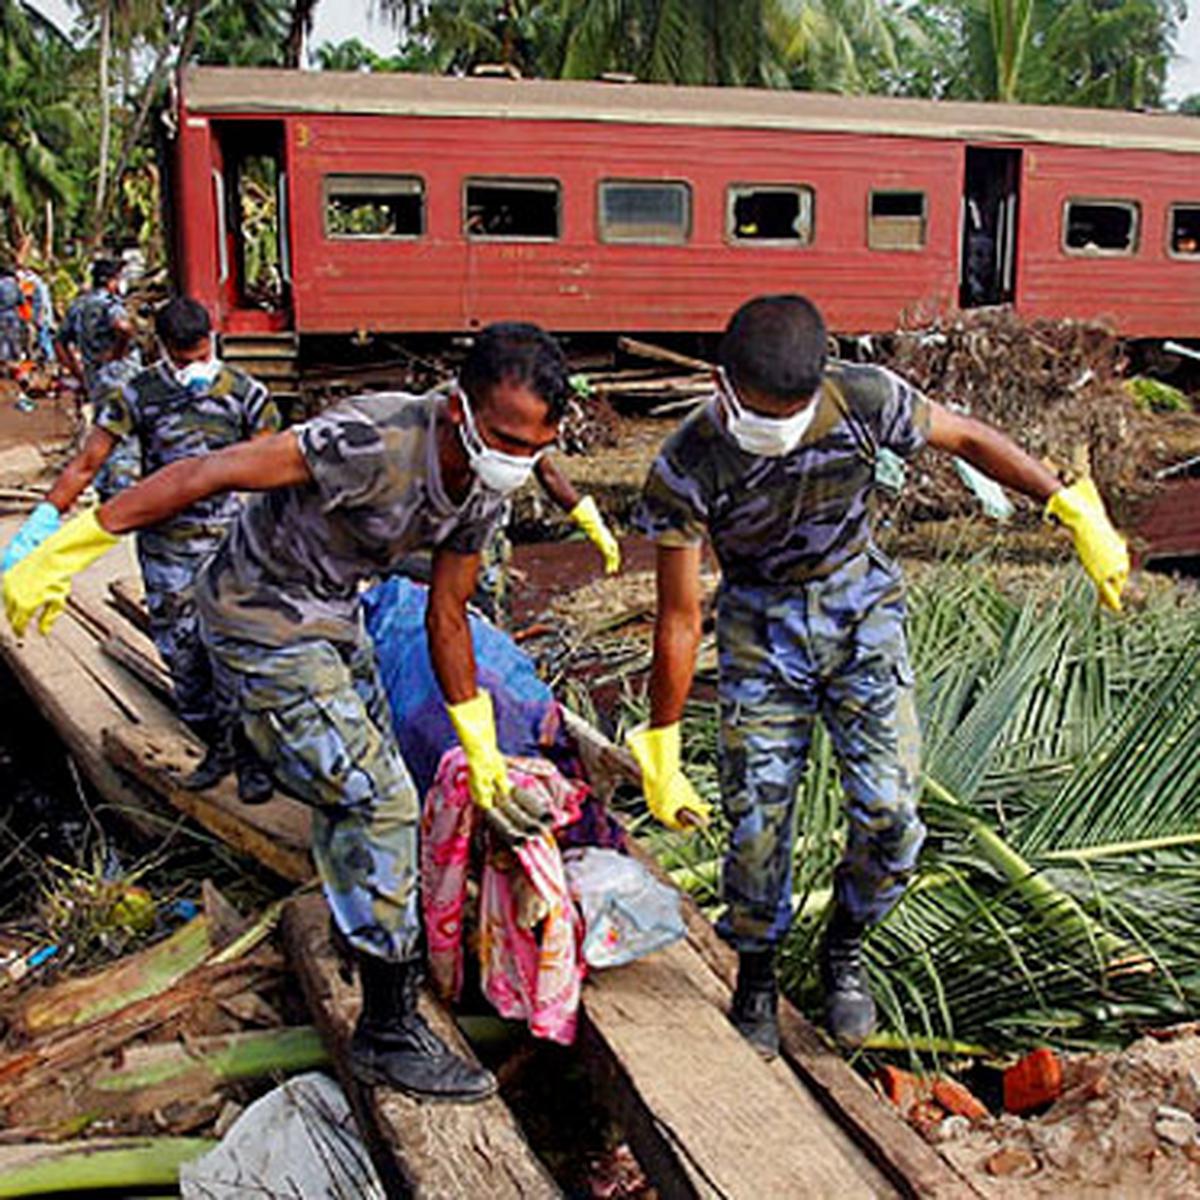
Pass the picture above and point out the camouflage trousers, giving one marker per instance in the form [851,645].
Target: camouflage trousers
[169,572]
[317,715]
[832,648]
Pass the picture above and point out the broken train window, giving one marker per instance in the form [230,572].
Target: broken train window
[1100,227]
[374,206]
[1185,231]
[770,213]
[512,208]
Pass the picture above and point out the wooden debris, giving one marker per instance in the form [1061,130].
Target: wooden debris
[419,1149]
[128,597]
[21,465]
[83,999]
[276,834]
[144,1079]
[694,1096]
[661,354]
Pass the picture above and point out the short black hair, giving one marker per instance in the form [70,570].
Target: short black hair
[104,269]
[517,352]
[182,323]
[776,345]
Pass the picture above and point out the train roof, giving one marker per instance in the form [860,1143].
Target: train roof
[260,91]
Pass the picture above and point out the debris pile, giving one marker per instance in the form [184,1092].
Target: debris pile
[1124,1124]
[1057,387]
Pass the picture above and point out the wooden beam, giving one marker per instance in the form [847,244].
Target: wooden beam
[911,1165]
[662,354]
[276,833]
[431,1151]
[705,1115]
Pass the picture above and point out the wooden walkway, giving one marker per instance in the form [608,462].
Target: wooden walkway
[705,1115]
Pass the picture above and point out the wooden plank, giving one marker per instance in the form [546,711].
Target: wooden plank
[704,1114]
[662,354]
[276,833]
[79,693]
[140,665]
[432,1151]
[128,597]
[908,1161]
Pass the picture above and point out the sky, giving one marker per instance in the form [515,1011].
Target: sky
[340,19]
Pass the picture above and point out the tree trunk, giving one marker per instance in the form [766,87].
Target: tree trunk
[105,118]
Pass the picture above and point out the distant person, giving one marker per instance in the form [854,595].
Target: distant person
[187,404]
[96,328]
[38,313]
[776,471]
[10,314]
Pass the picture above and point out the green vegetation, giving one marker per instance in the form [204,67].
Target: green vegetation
[1057,891]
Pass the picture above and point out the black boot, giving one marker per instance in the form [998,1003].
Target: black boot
[755,1011]
[218,757]
[849,1006]
[254,782]
[394,1047]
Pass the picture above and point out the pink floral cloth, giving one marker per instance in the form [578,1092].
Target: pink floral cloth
[533,975]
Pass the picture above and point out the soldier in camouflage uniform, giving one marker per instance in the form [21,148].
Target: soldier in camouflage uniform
[185,405]
[96,329]
[123,465]
[342,499]
[10,315]
[777,472]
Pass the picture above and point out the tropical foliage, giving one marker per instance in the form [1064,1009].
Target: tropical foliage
[1058,887]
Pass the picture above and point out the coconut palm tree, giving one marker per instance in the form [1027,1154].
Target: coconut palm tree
[36,122]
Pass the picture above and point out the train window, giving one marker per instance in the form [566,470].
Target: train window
[645,212]
[1100,227]
[374,206]
[896,221]
[1185,231]
[511,208]
[766,213]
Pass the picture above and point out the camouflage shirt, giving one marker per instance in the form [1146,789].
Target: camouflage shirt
[91,324]
[171,424]
[790,519]
[293,562]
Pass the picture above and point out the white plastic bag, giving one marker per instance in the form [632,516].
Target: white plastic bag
[627,913]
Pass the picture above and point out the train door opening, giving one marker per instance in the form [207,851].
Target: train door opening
[253,251]
[991,209]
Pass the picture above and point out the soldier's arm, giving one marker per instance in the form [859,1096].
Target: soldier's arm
[446,623]
[258,466]
[992,452]
[81,470]
[676,632]
[557,486]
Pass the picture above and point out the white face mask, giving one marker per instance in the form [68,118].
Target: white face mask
[765,437]
[497,471]
[196,378]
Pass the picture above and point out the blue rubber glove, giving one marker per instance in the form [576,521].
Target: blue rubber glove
[40,524]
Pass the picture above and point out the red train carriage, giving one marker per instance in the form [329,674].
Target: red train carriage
[334,204]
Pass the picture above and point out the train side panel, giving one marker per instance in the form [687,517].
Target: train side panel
[442,281]
[1148,293]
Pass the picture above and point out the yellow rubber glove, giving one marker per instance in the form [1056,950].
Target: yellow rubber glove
[42,579]
[587,516]
[475,725]
[669,795]
[1100,547]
